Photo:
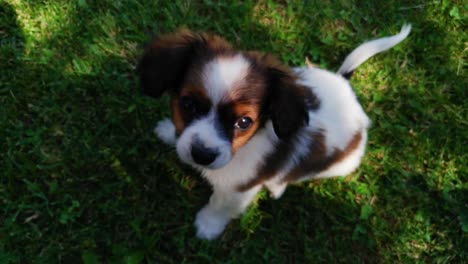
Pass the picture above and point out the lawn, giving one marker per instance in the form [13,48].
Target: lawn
[84,179]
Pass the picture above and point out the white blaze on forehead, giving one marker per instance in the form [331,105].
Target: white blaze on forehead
[222,74]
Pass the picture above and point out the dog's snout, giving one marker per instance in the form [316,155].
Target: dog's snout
[203,155]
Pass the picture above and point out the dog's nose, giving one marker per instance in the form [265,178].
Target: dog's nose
[203,155]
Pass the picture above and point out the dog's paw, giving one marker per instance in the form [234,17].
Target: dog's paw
[210,224]
[165,130]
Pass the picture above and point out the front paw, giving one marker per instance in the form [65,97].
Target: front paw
[165,130]
[210,224]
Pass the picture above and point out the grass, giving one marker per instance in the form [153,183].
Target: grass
[83,179]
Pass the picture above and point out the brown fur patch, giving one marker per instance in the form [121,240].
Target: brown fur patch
[180,116]
[168,59]
[197,49]
[184,37]
[287,104]
[315,162]
[177,118]
[241,137]
[193,89]
[272,165]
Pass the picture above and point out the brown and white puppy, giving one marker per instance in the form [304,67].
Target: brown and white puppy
[246,121]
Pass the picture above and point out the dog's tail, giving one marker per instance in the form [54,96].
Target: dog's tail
[369,49]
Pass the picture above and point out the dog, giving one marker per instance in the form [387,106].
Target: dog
[247,121]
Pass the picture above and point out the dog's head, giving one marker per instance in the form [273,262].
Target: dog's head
[220,97]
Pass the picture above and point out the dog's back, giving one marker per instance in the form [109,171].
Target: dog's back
[340,119]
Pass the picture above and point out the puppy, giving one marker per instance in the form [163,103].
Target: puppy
[246,121]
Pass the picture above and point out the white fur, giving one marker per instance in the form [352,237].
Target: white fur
[204,130]
[244,164]
[334,93]
[223,74]
[219,76]
[301,143]
[339,117]
[346,166]
[226,202]
[370,48]
[224,205]
[276,187]
[338,126]
[166,131]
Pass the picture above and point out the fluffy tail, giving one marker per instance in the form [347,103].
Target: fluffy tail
[369,49]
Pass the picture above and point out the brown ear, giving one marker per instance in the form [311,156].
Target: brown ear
[287,105]
[287,102]
[167,59]
[286,99]
[165,62]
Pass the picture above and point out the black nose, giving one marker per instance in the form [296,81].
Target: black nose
[203,155]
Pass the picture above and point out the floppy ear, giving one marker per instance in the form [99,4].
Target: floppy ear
[166,61]
[287,103]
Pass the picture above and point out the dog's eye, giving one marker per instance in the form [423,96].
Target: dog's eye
[189,104]
[243,123]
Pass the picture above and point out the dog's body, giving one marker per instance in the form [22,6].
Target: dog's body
[246,121]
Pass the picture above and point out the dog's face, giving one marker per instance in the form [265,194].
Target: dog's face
[220,97]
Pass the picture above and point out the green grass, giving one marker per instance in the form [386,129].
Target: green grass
[82,177]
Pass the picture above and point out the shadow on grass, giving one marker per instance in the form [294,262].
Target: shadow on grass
[72,178]
[85,177]
[420,124]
